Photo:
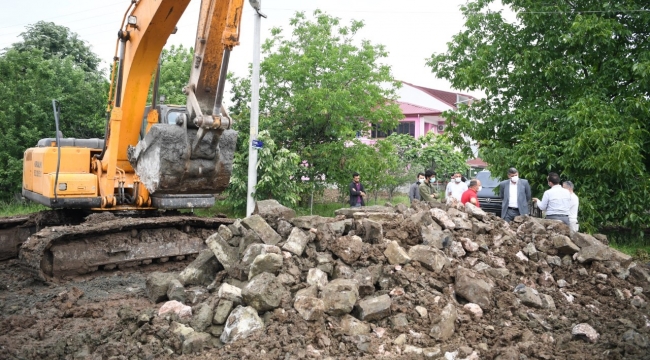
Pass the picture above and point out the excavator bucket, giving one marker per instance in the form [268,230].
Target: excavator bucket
[166,164]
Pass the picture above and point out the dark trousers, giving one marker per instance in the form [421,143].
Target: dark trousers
[563,218]
[510,214]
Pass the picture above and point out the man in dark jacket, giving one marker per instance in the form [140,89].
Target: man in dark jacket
[515,195]
[357,192]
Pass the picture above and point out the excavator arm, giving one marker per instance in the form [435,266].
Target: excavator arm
[177,164]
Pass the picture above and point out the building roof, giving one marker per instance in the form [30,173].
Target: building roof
[477,163]
[411,109]
[448,97]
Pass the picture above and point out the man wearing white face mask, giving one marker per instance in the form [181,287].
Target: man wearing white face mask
[455,188]
[515,195]
[427,191]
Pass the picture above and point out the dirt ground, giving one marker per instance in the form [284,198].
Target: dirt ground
[98,316]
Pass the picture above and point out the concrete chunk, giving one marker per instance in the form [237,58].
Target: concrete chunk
[229,292]
[242,322]
[445,326]
[202,270]
[270,263]
[339,296]
[264,292]
[375,308]
[429,257]
[225,254]
[310,308]
[396,254]
[157,284]
[257,224]
[296,242]
[473,289]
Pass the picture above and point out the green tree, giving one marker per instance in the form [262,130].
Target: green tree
[58,41]
[437,152]
[567,90]
[275,168]
[29,83]
[176,64]
[319,87]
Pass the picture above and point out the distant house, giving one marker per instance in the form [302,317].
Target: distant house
[422,108]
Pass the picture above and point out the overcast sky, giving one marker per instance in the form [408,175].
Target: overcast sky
[411,30]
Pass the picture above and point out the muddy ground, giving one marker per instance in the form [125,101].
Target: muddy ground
[96,316]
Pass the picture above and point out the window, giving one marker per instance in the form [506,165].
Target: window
[406,127]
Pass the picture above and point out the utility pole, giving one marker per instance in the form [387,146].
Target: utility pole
[255,109]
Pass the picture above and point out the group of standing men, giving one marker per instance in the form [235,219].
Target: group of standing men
[559,202]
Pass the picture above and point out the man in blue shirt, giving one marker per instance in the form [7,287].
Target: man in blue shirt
[556,201]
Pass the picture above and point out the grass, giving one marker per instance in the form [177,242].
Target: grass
[633,244]
[19,208]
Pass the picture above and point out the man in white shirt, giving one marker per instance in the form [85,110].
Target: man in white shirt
[455,188]
[573,211]
[556,201]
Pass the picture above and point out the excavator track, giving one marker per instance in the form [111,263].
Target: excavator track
[106,243]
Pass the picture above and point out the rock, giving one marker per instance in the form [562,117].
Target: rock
[242,322]
[530,251]
[225,254]
[635,338]
[284,228]
[229,292]
[436,238]
[528,296]
[469,245]
[254,250]
[431,352]
[445,326]
[479,227]
[202,270]
[176,308]
[316,277]
[257,224]
[202,319]
[429,257]
[309,221]
[545,279]
[462,224]
[176,291]
[157,284]
[423,218]
[638,290]
[264,292]
[342,271]
[341,227]
[272,211]
[412,350]
[221,311]
[474,310]
[296,242]
[372,231]
[372,309]
[225,232]
[547,302]
[475,211]
[339,296]
[310,308]
[348,248]
[564,245]
[352,327]
[562,283]
[196,342]
[181,331]
[586,332]
[422,311]
[349,212]
[365,282]
[456,250]
[398,321]
[600,252]
[520,255]
[554,260]
[473,289]
[270,263]
[395,254]
[441,217]
[311,291]
[400,340]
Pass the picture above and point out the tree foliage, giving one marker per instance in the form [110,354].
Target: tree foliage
[176,64]
[567,90]
[57,41]
[319,87]
[275,168]
[31,78]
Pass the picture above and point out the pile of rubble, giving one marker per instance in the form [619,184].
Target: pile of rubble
[393,281]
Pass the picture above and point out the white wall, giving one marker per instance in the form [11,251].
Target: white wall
[418,97]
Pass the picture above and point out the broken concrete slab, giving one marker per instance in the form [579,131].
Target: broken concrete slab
[226,255]
[257,224]
[296,242]
[202,270]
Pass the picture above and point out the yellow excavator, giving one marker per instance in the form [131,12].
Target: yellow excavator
[153,157]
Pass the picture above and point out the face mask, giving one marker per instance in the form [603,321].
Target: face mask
[432,180]
[480,188]
[514,178]
[457,180]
